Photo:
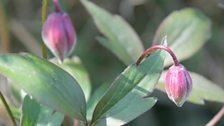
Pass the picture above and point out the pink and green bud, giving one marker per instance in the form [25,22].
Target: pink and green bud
[178,81]
[178,84]
[58,33]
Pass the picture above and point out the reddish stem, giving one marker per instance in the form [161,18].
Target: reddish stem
[56,5]
[216,118]
[155,47]
[76,122]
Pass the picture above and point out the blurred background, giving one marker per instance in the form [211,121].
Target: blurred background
[20,31]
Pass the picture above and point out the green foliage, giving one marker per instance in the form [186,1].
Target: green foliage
[30,112]
[15,112]
[133,82]
[121,39]
[94,99]
[203,89]
[187,30]
[35,115]
[45,82]
[56,87]
[127,109]
[48,117]
[74,67]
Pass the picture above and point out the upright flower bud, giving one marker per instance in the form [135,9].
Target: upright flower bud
[58,33]
[178,84]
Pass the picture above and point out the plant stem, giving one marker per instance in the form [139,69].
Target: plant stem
[44,17]
[8,109]
[57,6]
[155,47]
[4,31]
[216,118]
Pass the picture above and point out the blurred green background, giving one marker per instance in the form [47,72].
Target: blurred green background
[20,28]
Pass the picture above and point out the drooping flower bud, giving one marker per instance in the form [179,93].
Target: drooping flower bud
[178,84]
[178,81]
[58,33]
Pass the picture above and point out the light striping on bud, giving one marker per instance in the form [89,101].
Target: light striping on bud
[58,33]
[178,84]
[178,81]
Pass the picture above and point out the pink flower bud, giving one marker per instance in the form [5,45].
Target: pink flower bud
[178,84]
[59,34]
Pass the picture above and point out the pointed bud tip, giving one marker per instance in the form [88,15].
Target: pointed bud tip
[59,34]
[164,41]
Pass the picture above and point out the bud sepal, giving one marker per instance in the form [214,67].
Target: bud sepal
[178,84]
[58,33]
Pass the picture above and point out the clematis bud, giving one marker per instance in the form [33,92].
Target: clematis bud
[178,81]
[58,33]
[178,84]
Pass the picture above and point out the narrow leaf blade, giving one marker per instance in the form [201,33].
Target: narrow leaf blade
[30,112]
[134,82]
[95,99]
[121,37]
[127,109]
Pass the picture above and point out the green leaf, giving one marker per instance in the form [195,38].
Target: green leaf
[129,108]
[15,112]
[95,99]
[121,39]
[30,112]
[45,82]
[48,117]
[35,115]
[76,69]
[187,31]
[203,89]
[134,83]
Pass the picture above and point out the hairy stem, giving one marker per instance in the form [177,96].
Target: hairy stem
[44,17]
[8,109]
[216,118]
[155,47]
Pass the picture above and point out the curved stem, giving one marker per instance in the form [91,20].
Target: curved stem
[155,47]
[44,17]
[216,118]
[8,109]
